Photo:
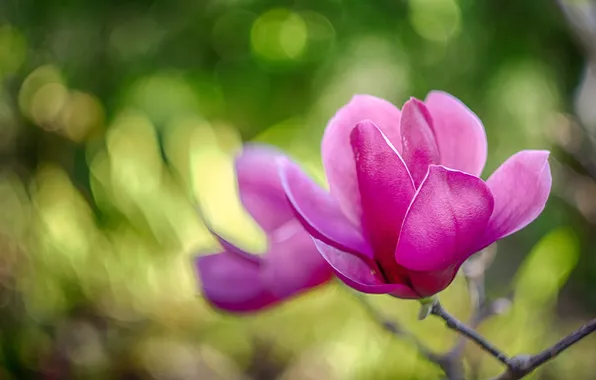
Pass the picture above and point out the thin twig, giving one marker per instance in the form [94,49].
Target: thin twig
[517,367]
[453,369]
[523,365]
[479,310]
[550,353]
[396,328]
[454,324]
[483,313]
[474,270]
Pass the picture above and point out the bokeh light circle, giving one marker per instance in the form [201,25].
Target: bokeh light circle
[435,20]
[279,35]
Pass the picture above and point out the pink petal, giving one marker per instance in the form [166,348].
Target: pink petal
[520,186]
[460,134]
[232,282]
[337,152]
[419,147]
[359,274]
[448,213]
[293,263]
[319,212]
[428,284]
[259,186]
[230,247]
[238,281]
[386,189]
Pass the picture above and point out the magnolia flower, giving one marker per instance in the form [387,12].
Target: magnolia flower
[406,206]
[238,281]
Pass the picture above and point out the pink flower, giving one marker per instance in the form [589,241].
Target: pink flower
[406,206]
[237,281]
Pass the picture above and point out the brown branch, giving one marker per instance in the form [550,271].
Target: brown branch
[454,324]
[517,367]
[474,270]
[521,366]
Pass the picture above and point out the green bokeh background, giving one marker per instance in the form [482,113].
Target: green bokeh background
[118,117]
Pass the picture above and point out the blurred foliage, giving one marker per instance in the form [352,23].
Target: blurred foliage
[117,117]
